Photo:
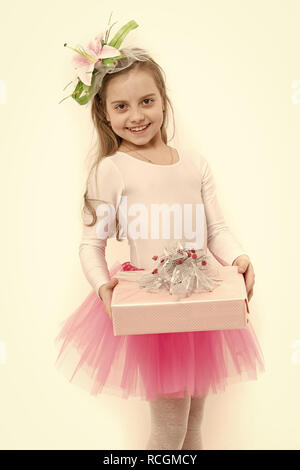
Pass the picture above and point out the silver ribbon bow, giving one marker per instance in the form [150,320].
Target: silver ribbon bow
[182,272]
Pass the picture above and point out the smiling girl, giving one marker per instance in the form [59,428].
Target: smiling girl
[174,372]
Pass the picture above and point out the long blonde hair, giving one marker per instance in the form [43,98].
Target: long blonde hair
[108,141]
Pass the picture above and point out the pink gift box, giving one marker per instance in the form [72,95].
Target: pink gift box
[137,311]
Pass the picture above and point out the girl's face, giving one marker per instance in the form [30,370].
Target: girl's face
[133,100]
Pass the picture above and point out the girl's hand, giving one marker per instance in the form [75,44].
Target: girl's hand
[105,292]
[245,267]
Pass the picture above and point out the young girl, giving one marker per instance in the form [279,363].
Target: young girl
[174,372]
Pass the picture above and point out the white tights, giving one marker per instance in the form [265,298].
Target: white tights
[176,423]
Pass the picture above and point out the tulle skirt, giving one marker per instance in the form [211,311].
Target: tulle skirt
[152,365]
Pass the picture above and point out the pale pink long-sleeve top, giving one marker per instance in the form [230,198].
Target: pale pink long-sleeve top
[124,181]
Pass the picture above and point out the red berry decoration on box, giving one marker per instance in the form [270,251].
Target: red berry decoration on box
[127,266]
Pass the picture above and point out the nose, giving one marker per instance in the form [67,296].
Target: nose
[136,116]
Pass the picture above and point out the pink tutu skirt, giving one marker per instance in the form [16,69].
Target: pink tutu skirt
[152,365]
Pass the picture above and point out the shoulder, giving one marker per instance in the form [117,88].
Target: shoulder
[106,168]
[198,162]
[104,178]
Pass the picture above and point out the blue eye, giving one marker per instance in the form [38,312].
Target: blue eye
[146,99]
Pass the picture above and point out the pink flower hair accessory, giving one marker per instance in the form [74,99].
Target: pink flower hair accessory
[99,58]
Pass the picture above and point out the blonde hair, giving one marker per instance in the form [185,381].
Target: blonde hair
[108,141]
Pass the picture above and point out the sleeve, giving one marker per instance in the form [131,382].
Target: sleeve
[220,240]
[104,187]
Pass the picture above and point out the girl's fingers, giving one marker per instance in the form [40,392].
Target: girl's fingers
[250,294]
[108,308]
[249,277]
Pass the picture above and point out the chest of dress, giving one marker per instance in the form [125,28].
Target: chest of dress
[164,205]
[163,187]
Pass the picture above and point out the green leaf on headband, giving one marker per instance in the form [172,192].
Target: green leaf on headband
[122,33]
[82,92]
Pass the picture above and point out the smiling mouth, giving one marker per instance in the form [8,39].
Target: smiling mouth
[131,129]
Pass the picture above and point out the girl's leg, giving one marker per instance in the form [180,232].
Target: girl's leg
[193,438]
[169,417]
